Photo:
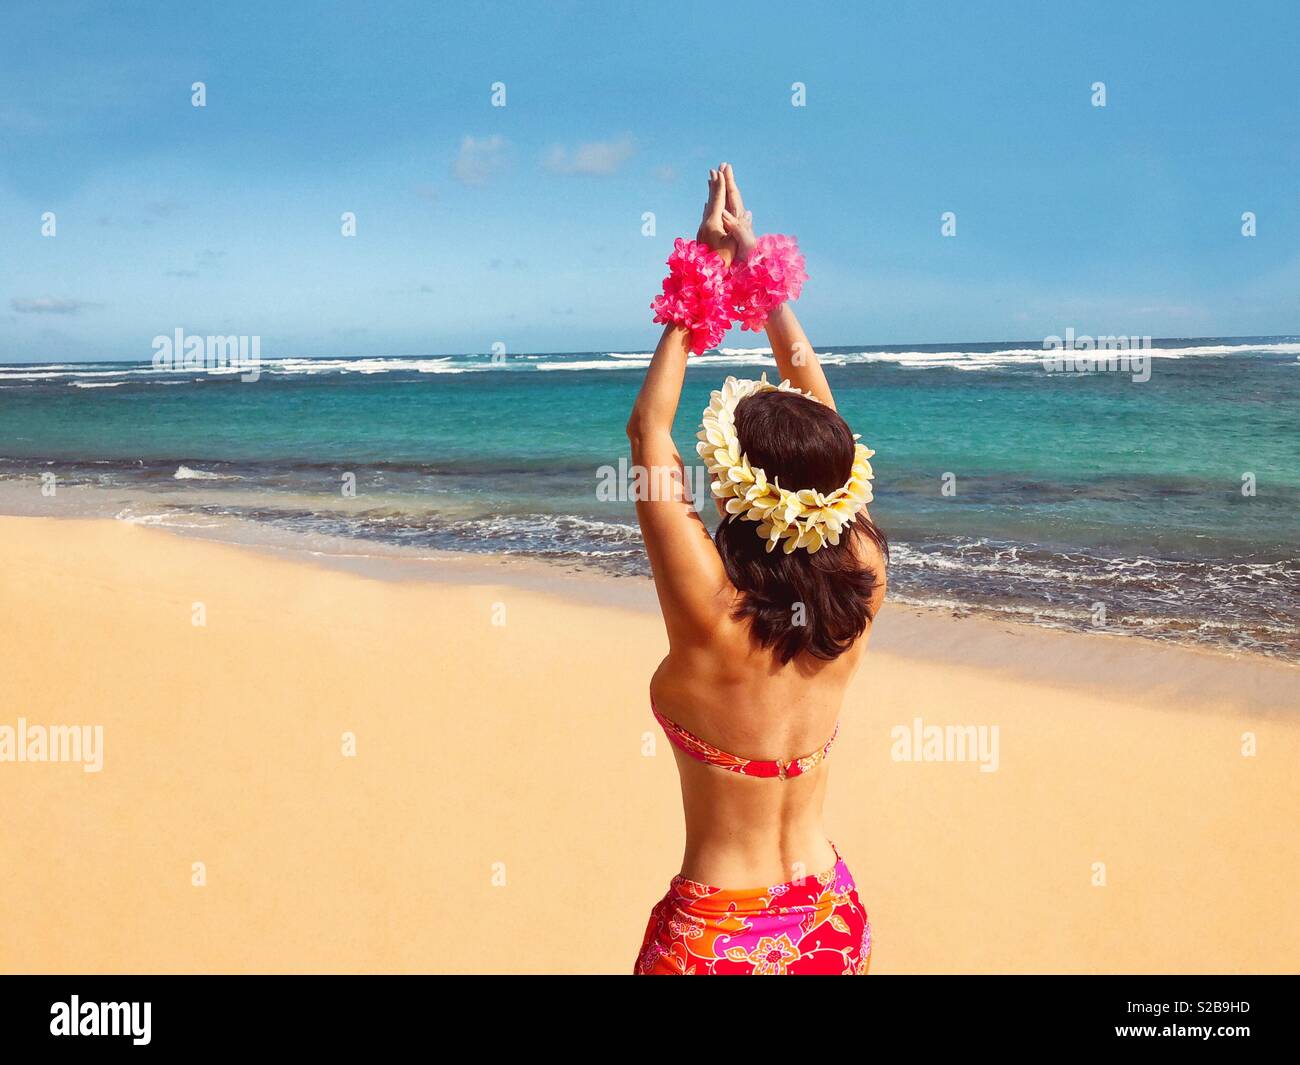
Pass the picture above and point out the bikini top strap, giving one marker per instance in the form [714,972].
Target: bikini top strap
[703,751]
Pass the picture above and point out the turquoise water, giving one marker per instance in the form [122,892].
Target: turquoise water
[1069,489]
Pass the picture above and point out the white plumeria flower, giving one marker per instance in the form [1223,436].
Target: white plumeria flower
[805,518]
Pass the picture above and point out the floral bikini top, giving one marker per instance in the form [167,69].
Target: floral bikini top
[750,767]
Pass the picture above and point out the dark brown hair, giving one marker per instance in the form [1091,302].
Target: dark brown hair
[804,444]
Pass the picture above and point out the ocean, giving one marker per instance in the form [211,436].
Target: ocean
[1166,508]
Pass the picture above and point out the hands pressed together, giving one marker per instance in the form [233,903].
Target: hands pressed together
[727,275]
[727,227]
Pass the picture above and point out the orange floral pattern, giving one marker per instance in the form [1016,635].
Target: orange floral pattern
[813,926]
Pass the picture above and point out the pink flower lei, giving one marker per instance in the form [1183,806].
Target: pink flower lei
[773,273]
[697,294]
[702,295]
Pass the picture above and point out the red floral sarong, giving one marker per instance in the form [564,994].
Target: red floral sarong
[816,926]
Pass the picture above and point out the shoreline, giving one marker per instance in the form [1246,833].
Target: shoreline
[499,768]
[384,560]
[973,637]
[593,586]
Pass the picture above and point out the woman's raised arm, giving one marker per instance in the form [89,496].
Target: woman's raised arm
[689,577]
[795,358]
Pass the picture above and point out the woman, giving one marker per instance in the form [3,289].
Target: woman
[766,622]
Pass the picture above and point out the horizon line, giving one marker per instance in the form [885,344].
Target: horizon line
[947,344]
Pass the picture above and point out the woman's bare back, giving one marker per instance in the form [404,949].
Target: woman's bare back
[744,831]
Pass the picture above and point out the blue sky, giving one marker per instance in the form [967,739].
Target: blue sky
[522,224]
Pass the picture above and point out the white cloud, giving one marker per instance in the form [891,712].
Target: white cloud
[48,305]
[479,158]
[593,157]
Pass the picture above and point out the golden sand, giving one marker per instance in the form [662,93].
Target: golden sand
[501,812]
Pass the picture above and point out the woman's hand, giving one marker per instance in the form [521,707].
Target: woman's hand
[738,222]
[713,230]
[796,360]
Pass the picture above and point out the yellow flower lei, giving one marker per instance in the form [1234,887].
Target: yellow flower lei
[802,518]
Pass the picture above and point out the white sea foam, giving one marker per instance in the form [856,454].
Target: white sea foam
[166,520]
[625,363]
[1008,357]
[294,366]
[50,374]
[621,361]
[184,473]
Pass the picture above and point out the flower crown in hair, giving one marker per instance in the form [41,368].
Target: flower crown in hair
[803,518]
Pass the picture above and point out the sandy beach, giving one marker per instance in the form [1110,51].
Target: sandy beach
[511,807]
